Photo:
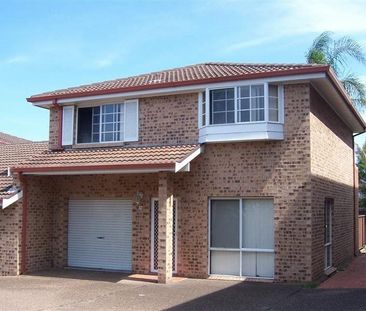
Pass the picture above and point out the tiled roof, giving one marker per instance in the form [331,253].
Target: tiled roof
[10,139]
[107,158]
[13,154]
[189,75]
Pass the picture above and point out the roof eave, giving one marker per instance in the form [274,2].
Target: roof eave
[342,92]
[317,69]
[73,169]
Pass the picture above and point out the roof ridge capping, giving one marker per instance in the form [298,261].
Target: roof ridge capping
[305,65]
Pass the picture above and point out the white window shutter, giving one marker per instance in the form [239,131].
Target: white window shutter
[67,125]
[131,120]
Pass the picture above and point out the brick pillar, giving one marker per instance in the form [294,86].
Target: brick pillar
[165,230]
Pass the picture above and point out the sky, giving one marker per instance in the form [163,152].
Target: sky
[48,45]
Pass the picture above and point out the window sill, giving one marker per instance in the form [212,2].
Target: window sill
[329,271]
[241,132]
[101,145]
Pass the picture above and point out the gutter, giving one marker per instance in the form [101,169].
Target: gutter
[315,69]
[23,266]
[96,168]
[342,92]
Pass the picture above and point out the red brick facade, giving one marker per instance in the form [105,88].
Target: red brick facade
[331,177]
[54,135]
[298,172]
[10,226]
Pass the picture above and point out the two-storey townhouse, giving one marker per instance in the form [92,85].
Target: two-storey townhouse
[207,170]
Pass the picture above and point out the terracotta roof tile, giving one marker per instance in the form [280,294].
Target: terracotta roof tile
[193,74]
[111,157]
[10,139]
[13,154]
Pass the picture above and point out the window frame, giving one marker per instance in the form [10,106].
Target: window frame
[100,123]
[236,98]
[241,249]
[328,207]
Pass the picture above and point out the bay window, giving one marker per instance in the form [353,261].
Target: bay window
[273,102]
[222,106]
[241,104]
[250,103]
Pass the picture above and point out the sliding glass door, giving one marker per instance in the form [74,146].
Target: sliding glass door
[241,237]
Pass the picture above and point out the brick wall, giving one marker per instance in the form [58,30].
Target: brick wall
[41,198]
[55,116]
[169,119]
[332,177]
[10,226]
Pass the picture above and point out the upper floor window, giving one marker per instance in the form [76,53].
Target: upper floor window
[108,123]
[222,106]
[241,104]
[251,103]
[273,103]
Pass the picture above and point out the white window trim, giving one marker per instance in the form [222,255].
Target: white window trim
[200,111]
[137,118]
[235,87]
[67,141]
[240,250]
[100,122]
[330,202]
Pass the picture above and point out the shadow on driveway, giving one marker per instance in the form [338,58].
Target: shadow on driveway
[95,290]
[244,296]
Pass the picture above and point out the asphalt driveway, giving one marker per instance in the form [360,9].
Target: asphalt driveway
[86,290]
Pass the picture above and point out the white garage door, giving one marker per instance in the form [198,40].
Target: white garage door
[100,234]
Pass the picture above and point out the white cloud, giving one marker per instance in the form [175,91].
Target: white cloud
[334,15]
[16,59]
[298,17]
[250,43]
[106,61]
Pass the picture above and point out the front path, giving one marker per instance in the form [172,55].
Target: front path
[353,277]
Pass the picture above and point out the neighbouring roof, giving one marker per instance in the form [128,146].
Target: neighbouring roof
[10,139]
[109,158]
[189,75]
[13,154]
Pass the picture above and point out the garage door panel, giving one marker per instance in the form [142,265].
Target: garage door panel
[100,234]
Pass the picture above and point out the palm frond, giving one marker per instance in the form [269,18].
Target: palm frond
[355,89]
[318,52]
[343,49]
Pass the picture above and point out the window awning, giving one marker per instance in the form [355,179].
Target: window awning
[11,199]
[111,160]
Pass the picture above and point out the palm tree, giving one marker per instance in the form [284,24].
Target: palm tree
[336,53]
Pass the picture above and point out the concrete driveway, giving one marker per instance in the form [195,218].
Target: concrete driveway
[86,290]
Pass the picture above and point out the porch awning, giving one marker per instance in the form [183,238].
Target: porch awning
[111,160]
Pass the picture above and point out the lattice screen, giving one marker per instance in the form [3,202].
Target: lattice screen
[156,229]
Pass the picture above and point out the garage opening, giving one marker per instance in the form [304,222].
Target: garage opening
[100,234]
[241,237]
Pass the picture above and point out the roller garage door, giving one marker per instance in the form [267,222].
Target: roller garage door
[99,234]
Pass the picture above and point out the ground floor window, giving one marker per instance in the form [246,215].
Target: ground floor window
[328,207]
[241,237]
